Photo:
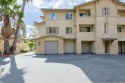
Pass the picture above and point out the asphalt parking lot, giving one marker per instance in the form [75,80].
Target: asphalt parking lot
[69,68]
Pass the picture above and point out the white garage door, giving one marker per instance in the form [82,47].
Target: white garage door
[69,47]
[86,47]
[51,48]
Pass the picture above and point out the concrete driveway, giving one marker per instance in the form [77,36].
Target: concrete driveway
[86,68]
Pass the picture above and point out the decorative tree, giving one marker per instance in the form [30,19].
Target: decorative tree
[13,47]
[9,11]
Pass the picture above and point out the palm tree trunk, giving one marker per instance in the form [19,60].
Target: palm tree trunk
[5,35]
[6,46]
[13,47]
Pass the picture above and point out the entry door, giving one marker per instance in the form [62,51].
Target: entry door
[120,47]
[107,47]
[51,47]
[86,47]
[69,47]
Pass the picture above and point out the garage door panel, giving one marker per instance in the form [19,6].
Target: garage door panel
[69,47]
[86,47]
[51,48]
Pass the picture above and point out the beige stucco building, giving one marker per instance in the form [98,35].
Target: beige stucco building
[95,27]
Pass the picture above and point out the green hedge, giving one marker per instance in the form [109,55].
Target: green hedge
[24,50]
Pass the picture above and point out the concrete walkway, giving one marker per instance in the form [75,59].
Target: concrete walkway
[31,68]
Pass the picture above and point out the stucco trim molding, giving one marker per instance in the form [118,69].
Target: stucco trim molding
[47,36]
[109,39]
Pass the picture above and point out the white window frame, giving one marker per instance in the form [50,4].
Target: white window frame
[69,30]
[106,11]
[52,16]
[119,27]
[70,16]
[52,30]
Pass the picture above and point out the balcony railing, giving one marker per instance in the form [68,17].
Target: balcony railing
[86,36]
[86,20]
[121,20]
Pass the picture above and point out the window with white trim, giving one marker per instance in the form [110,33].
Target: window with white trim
[106,11]
[52,30]
[119,29]
[69,16]
[52,16]
[68,30]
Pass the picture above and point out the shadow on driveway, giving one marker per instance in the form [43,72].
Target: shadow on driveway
[98,68]
[14,75]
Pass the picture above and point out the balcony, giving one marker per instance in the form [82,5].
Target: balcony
[121,20]
[121,36]
[86,20]
[86,36]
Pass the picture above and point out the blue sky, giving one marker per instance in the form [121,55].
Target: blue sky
[33,12]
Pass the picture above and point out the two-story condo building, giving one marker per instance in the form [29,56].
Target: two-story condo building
[95,27]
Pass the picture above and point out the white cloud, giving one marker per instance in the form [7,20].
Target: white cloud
[38,3]
[56,3]
[88,0]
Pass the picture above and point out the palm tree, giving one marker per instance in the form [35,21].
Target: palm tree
[13,47]
[8,12]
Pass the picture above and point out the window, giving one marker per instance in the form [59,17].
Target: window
[68,16]
[106,25]
[106,11]
[52,30]
[118,29]
[52,16]
[84,29]
[84,14]
[68,30]
[81,14]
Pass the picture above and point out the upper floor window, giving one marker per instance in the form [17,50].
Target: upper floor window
[84,29]
[52,30]
[119,29]
[106,11]
[52,16]
[69,16]
[68,30]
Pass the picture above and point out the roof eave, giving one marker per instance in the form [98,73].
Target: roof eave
[83,4]
[37,23]
[119,2]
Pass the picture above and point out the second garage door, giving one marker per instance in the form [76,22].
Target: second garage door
[51,47]
[69,47]
[86,47]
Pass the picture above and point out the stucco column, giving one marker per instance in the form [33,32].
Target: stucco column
[114,47]
[78,47]
[61,47]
